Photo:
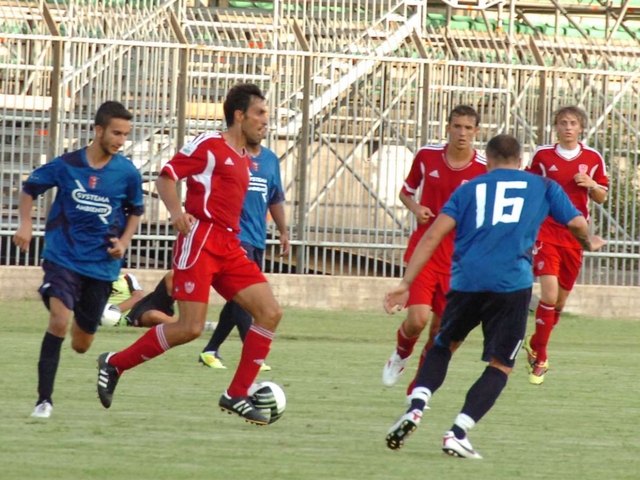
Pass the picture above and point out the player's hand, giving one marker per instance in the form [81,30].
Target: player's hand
[396,299]
[284,244]
[597,242]
[117,249]
[584,180]
[22,238]
[183,223]
[423,214]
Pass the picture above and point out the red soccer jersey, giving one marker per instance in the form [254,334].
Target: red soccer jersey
[432,173]
[217,179]
[547,162]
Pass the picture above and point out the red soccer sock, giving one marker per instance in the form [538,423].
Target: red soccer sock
[556,317]
[255,349]
[545,314]
[405,344]
[150,345]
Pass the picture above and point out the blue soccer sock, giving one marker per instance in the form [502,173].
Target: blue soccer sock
[480,398]
[48,366]
[434,368]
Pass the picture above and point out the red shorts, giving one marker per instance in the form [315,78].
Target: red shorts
[211,257]
[561,262]
[430,288]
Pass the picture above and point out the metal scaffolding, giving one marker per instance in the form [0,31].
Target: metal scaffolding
[355,88]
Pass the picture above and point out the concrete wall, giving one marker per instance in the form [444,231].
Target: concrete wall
[345,293]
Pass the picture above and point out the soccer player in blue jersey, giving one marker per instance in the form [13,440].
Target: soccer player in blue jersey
[95,213]
[496,217]
[265,194]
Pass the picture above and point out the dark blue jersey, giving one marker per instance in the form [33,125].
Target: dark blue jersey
[265,189]
[91,207]
[497,220]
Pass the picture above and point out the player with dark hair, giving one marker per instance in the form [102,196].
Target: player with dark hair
[496,217]
[582,174]
[95,213]
[265,194]
[208,252]
[140,310]
[437,171]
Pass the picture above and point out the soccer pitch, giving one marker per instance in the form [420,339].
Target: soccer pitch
[165,424]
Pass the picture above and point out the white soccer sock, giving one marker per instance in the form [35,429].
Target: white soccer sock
[465,422]
[421,393]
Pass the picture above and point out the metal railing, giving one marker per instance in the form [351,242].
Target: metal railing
[352,97]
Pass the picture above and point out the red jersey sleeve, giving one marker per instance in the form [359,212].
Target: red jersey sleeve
[599,173]
[534,165]
[190,160]
[416,174]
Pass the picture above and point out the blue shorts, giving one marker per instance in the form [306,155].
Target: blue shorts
[83,295]
[503,317]
[254,254]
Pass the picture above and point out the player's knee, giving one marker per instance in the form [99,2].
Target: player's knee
[192,331]
[270,317]
[415,324]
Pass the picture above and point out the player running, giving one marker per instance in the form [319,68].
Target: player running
[496,217]
[582,174]
[208,252]
[95,213]
[437,171]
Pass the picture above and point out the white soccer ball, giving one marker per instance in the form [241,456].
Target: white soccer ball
[269,399]
[110,316]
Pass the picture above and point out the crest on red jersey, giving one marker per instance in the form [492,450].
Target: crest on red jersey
[464,181]
[93,181]
[582,168]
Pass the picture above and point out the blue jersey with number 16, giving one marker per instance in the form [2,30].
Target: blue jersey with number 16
[498,216]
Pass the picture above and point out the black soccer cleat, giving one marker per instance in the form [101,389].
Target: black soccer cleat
[242,406]
[108,377]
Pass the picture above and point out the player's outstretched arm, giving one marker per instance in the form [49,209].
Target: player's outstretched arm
[23,235]
[580,230]
[169,194]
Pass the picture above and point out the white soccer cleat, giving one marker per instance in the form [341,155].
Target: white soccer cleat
[458,448]
[403,428]
[393,369]
[42,410]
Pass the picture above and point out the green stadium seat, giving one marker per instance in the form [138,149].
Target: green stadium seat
[597,32]
[524,29]
[547,29]
[241,4]
[436,20]
[479,26]
[264,5]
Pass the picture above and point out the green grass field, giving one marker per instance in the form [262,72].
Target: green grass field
[165,423]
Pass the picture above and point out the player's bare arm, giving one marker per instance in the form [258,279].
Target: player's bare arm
[395,299]
[181,220]
[119,245]
[422,213]
[280,219]
[596,193]
[23,235]
[580,230]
